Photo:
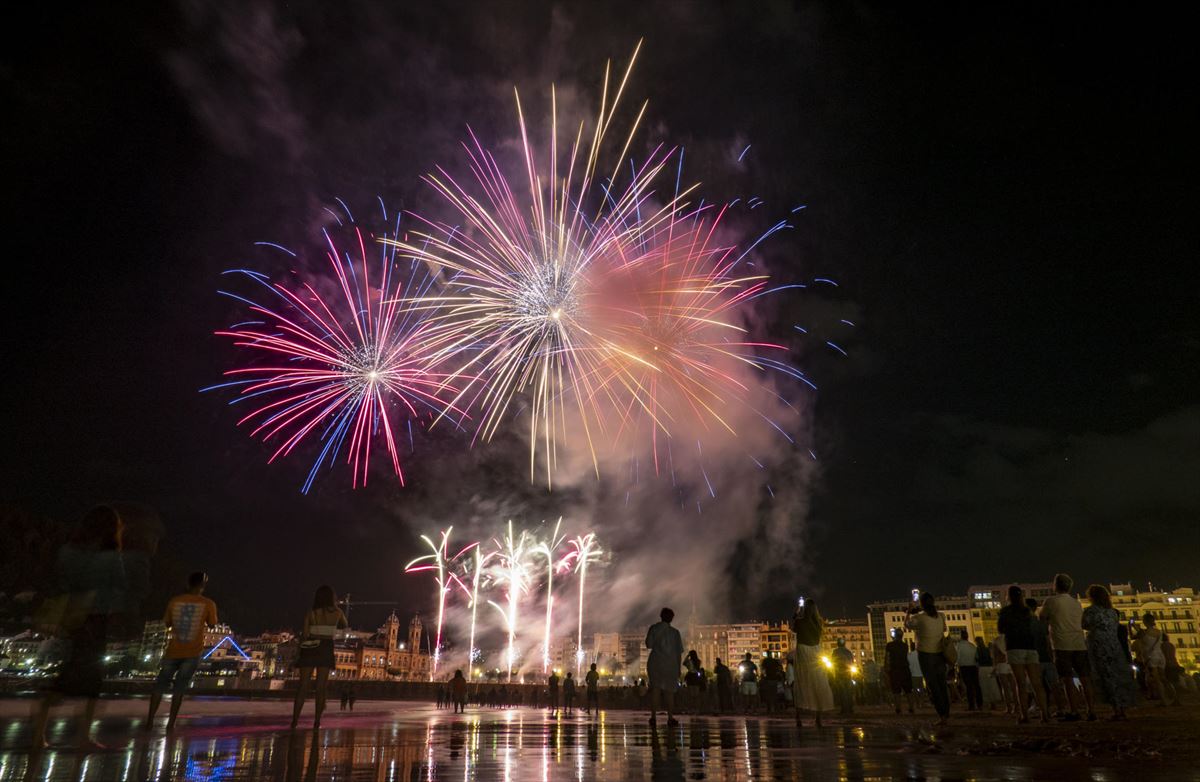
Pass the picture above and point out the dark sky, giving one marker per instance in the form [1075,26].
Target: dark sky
[1006,197]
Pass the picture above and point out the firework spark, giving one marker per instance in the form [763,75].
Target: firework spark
[346,368]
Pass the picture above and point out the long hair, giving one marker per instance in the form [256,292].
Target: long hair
[695,658]
[1016,598]
[927,604]
[100,529]
[324,598]
[1099,596]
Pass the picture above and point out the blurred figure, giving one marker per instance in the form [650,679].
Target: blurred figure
[930,628]
[321,623]
[458,692]
[1108,659]
[1016,623]
[1149,640]
[552,684]
[666,648]
[693,678]
[187,615]
[916,680]
[93,583]
[592,680]
[895,668]
[987,674]
[1003,673]
[724,686]
[968,671]
[569,693]
[1172,670]
[353,698]
[1065,617]
[843,662]
[748,688]
[812,682]
[1050,681]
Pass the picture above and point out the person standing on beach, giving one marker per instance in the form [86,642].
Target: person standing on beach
[666,650]
[188,615]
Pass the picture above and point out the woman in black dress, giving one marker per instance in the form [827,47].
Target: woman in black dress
[316,650]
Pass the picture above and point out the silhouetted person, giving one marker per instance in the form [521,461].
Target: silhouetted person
[666,647]
[353,698]
[895,668]
[568,693]
[345,699]
[92,580]
[552,684]
[592,679]
[188,615]
[322,621]
[724,685]
[458,692]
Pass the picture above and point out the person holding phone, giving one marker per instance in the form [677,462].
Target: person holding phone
[930,627]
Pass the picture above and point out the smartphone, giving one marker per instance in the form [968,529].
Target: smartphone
[916,593]
[800,602]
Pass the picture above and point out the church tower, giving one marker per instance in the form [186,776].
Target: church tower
[414,634]
[392,628]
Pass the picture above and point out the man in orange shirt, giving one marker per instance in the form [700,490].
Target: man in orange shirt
[187,615]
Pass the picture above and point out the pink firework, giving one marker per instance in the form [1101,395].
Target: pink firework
[346,368]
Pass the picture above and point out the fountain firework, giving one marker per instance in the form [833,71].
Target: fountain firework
[547,549]
[438,562]
[481,561]
[513,572]
[585,552]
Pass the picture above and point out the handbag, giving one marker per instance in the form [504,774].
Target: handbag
[949,650]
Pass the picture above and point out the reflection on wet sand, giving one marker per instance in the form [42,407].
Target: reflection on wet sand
[415,743]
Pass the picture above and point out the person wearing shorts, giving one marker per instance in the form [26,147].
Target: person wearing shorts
[1064,613]
[187,616]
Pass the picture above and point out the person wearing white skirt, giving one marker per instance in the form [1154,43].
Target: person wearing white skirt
[811,691]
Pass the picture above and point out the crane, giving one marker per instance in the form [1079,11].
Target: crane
[346,604]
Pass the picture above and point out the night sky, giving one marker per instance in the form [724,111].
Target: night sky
[1006,198]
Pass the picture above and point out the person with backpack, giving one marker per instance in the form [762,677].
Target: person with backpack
[929,626]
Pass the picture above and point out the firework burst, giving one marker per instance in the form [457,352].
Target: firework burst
[346,369]
[521,303]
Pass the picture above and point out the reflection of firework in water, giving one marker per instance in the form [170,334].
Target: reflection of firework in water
[438,563]
[346,369]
